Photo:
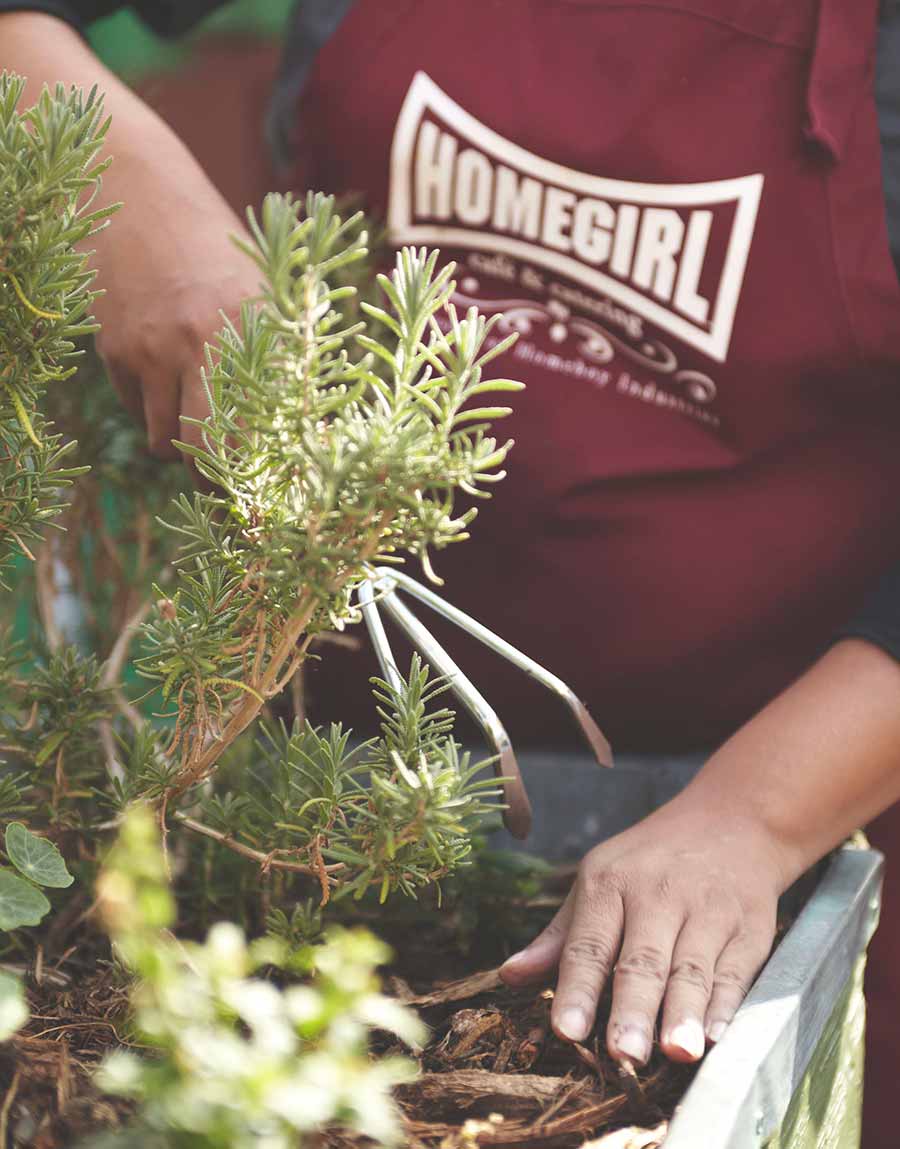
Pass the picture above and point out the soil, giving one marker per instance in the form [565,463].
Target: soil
[49,1099]
[492,1072]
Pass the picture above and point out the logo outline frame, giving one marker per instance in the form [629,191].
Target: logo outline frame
[425,95]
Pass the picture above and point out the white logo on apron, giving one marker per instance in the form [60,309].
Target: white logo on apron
[674,254]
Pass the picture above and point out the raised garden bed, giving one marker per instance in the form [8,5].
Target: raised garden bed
[787,1075]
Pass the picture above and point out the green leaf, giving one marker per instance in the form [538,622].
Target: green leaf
[36,858]
[54,741]
[13,1010]
[486,413]
[21,903]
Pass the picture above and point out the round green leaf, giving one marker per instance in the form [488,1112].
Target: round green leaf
[21,903]
[13,1010]
[36,858]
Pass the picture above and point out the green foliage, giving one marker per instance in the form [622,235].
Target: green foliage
[395,813]
[22,904]
[40,864]
[241,1062]
[331,445]
[49,177]
[344,426]
[301,928]
[36,858]
[51,736]
[343,430]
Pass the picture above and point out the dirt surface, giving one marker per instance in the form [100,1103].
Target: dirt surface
[49,1100]
[492,1072]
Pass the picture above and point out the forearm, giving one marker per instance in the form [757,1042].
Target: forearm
[166,264]
[818,762]
[47,50]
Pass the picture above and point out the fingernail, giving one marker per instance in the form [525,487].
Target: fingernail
[716,1031]
[513,959]
[573,1023]
[634,1045]
[689,1036]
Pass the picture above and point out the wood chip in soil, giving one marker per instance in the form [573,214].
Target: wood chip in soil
[493,1073]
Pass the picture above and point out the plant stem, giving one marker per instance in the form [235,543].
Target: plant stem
[268,861]
[112,671]
[249,706]
[45,589]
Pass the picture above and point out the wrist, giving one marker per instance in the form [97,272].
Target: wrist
[741,819]
[818,762]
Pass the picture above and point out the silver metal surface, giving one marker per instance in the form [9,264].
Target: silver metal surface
[742,1091]
[517,815]
[378,635]
[387,579]
[380,591]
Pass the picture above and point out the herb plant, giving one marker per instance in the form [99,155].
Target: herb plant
[49,178]
[332,444]
[241,1063]
[341,433]
[36,863]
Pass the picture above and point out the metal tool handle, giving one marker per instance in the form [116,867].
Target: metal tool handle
[387,579]
[378,635]
[517,815]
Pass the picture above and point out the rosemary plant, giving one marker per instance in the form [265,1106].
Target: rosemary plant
[343,427]
[332,444]
[49,178]
[394,814]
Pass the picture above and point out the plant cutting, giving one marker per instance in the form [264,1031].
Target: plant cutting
[320,465]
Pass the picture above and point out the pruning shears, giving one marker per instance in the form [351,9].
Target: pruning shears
[381,591]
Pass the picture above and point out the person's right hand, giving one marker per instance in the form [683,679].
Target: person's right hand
[168,268]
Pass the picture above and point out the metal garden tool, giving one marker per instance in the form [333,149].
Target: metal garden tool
[381,591]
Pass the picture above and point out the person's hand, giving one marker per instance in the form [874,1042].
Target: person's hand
[168,268]
[680,911]
[165,262]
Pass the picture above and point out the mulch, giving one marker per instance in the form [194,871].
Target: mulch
[492,1072]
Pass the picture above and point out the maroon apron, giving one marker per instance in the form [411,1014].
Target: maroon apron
[678,206]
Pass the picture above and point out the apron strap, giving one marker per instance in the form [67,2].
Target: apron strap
[842,65]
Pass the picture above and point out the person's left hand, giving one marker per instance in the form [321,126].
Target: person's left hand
[680,910]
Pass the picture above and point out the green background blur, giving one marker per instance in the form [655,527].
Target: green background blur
[132,50]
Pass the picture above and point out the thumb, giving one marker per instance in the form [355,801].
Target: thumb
[542,955]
